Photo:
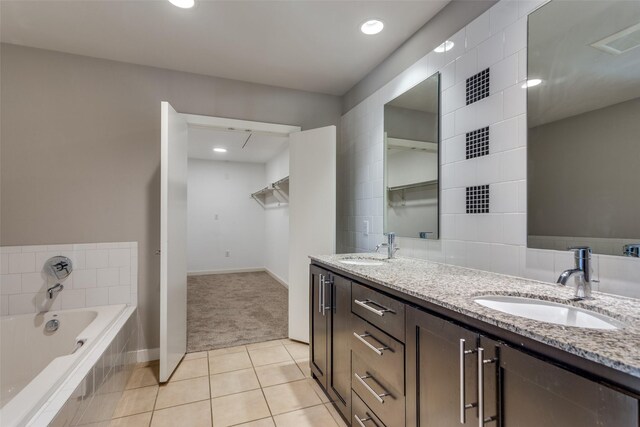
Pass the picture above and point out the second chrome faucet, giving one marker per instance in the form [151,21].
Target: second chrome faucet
[582,271]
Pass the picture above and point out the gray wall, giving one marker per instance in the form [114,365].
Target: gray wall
[447,22]
[80,145]
[583,174]
[415,125]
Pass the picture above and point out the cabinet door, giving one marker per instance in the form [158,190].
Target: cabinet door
[339,381]
[536,393]
[434,372]
[318,324]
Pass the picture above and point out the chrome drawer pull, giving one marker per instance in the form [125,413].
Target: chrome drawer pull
[379,397]
[377,350]
[463,406]
[361,421]
[481,362]
[380,313]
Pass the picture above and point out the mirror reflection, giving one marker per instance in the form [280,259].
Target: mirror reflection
[411,146]
[584,126]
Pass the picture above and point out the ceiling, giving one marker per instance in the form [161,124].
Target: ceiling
[309,45]
[576,76]
[242,146]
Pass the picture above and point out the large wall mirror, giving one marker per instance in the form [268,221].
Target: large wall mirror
[411,156]
[583,103]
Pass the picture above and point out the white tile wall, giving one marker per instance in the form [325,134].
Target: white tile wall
[495,241]
[103,273]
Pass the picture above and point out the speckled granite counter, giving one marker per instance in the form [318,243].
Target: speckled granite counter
[454,288]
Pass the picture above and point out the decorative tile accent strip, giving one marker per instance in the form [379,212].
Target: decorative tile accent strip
[477,143]
[478,199]
[478,86]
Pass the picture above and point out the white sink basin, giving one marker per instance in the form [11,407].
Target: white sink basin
[549,312]
[361,261]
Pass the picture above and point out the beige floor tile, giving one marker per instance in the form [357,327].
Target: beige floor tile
[233,382]
[136,401]
[193,415]
[140,420]
[269,355]
[239,408]
[228,350]
[321,394]
[335,414]
[265,422]
[317,416]
[291,396]
[196,355]
[278,373]
[298,351]
[193,368]
[264,344]
[229,362]
[304,367]
[143,377]
[181,392]
[147,363]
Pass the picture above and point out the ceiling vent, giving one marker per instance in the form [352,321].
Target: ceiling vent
[620,42]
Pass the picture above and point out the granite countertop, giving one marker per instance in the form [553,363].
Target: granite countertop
[455,287]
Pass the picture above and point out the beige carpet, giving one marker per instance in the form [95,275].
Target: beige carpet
[225,310]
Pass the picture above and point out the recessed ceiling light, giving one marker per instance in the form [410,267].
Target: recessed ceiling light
[371,27]
[448,45]
[183,4]
[531,83]
[220,150]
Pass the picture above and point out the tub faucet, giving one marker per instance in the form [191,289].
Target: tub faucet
[582,268]
[632,250]
[54,290]
[390,245]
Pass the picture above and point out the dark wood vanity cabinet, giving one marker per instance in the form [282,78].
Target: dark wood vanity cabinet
[385,362]
[514,388]
[329,341]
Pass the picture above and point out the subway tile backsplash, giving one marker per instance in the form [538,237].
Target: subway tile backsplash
[494,241]
[103,273]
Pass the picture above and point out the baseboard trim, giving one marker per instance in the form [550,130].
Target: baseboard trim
[238,270]
[277,278]
[147,355]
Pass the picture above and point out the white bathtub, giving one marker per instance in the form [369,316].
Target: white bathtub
[33,362]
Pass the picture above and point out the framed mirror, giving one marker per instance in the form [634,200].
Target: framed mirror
[583,103]
[412,161]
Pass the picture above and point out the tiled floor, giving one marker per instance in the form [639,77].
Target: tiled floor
[258,385]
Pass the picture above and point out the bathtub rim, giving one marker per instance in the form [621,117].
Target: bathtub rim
[45,409]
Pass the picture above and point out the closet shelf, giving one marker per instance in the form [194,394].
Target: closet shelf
[414,185]
[278,190]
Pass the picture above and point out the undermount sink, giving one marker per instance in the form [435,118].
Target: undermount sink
[549,312]
[361,261]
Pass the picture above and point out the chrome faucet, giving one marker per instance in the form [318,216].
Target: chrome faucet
[390,245]
[55,289]
[582,268]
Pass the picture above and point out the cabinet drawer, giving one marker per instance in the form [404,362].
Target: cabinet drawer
[377,393]
[361,415]
[382,311]
[378,350]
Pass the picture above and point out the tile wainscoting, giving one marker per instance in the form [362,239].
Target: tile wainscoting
[494,241]
[103,273]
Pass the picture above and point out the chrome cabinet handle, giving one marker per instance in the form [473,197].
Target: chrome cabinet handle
[361,421]
[377,350]
[325,306]
[463,405]
[379,397]
[481,362]
[321,281]
[365,304]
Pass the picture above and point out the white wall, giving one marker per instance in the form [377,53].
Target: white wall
[494,241]
[224,189]
[277,222]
